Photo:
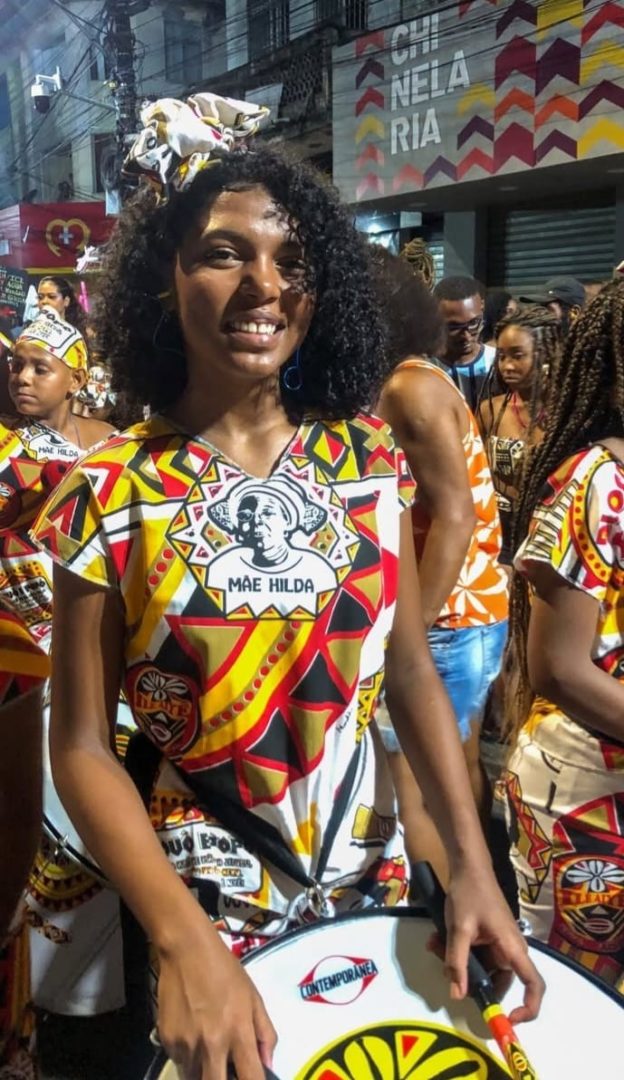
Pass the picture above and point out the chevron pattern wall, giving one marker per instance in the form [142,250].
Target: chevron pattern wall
[485,89]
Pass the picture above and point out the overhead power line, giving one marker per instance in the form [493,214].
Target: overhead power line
[469,28]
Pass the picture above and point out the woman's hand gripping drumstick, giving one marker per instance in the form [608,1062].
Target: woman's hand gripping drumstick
[480,985]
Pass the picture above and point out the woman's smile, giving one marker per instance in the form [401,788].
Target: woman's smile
[255,329]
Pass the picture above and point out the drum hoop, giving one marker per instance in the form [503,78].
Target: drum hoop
[157,1066]
[343,917]
[420,913]
[66,848]
[578,969]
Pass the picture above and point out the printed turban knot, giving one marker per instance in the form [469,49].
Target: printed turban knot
[50,332]
[179,138]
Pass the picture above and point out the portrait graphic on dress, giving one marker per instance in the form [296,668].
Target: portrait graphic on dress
[269,564]
[43,443]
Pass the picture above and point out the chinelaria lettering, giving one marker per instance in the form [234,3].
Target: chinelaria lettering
[419,83]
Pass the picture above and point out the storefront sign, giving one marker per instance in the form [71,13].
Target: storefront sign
[13,289]
[477,89]
[50,237]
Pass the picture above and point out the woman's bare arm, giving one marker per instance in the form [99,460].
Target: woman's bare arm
[423,413]
[427,729]
[208,1009]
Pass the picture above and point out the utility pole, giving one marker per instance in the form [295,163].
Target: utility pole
[121,47]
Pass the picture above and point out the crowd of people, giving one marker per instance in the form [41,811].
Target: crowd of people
[356,512]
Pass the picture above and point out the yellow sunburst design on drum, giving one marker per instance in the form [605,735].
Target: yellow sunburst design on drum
[404,1050]
[57,881]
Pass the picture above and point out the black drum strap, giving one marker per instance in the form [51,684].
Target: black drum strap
[263,839]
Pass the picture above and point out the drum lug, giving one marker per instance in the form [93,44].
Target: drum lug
[313,902]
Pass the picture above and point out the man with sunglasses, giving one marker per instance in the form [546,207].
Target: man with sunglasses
[465,358]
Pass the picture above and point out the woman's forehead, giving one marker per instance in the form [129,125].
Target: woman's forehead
[517,333]
[248,210]
[27,351]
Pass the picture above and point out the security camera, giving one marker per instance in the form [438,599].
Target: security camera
[42,89]
[40,96]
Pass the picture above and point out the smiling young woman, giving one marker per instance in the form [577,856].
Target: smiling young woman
[238,562]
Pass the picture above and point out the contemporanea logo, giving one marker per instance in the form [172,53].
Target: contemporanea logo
[404,1050]
[338,980]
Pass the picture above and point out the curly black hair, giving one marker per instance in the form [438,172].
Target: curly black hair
[341,358]
[414,324]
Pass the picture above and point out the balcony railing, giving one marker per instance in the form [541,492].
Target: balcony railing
[269,24]
[352,14]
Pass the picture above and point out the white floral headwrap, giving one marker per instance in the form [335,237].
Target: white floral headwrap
[180,137]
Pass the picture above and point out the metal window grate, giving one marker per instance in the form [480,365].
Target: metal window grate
[269,26]
[352,14]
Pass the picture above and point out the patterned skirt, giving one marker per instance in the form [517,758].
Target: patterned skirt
[564,791]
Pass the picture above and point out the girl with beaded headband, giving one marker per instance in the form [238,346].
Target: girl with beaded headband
[565,777]
[511,411]
[46,368]
[248,322]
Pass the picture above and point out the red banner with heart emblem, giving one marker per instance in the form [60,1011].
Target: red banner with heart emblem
[49,237]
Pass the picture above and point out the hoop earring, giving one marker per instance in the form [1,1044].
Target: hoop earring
[291,376]
[164,319]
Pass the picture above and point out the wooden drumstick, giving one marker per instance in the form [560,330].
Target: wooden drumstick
[480,985]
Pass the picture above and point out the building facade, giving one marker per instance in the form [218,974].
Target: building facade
[491,128]
[501,122]
[277,50]
[61,154]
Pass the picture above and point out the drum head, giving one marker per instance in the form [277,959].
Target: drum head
[363,997]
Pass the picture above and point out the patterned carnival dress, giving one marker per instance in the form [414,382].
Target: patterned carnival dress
[565,783]
[257,612]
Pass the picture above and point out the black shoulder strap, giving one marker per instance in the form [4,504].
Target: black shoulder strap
[263,839]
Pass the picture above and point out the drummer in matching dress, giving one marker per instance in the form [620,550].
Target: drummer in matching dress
[47,366]
[528,343]
[240,562]
[565,778]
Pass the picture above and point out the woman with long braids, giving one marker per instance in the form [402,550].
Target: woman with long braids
[239,562]
[528,343]
[565,779]
[498,304]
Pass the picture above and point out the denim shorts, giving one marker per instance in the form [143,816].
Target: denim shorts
[467,660]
